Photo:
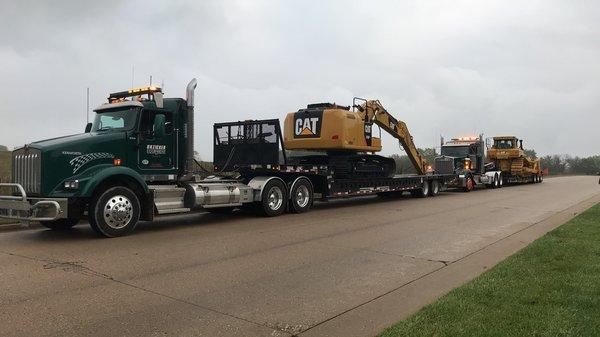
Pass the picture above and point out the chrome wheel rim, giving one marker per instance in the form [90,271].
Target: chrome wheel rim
[118,212]
[302,196]
[275,198]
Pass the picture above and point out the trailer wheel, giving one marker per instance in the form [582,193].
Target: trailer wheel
[421,192]
[60,224]
[273,199]
[434,189]
[301,196]
[115,212]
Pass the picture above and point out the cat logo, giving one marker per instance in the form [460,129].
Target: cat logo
[307,125]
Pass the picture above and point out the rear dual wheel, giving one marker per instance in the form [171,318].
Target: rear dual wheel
[434,188]
[301,196]
[495,181]
[273,198]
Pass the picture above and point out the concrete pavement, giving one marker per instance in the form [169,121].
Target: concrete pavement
[347,268]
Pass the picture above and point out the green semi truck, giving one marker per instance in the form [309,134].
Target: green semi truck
[135,162]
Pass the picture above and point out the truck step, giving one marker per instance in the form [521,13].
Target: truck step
[173,210]
[168,198]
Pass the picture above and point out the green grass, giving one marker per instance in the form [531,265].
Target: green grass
[550,288]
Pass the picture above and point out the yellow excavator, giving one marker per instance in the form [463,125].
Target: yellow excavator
[342,137]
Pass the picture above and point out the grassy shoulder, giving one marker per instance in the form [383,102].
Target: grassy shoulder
[550,288]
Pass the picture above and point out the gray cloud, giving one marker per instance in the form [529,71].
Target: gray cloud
[451,68]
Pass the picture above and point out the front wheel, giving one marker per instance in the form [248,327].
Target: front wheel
[301,196]
[115,212]
[60,224]
[469,184]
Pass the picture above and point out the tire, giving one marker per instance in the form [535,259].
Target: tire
[541,178]
[434,188]
[500,181]
[469,185]
[114,212]
[495,182]
[421,192]
[301,196]
[60,224]
[274,198]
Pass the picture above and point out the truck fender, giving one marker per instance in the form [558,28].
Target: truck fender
[104,173]
[294,184]
[258,184]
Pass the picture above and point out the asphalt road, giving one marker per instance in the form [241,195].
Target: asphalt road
[313,274]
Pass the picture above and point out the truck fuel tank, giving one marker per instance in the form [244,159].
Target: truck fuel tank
[217,193]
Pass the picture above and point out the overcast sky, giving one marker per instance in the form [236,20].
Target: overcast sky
[528,68]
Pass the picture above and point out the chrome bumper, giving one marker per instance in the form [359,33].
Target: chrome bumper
[23,208]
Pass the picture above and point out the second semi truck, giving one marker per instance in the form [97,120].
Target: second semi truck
[504,163]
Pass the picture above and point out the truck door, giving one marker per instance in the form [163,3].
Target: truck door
[156,153]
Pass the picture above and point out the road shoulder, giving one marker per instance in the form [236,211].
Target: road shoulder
[372,317]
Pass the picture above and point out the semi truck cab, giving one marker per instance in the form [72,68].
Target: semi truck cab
[137,138]
[465,156]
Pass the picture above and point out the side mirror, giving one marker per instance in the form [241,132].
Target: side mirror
[159,126]
[168,128]
[88,127]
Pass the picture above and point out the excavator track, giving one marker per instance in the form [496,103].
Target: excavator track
[350,165]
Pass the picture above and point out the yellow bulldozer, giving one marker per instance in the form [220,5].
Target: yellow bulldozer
[508,156]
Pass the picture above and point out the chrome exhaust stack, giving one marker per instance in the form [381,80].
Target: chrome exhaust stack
[189,130]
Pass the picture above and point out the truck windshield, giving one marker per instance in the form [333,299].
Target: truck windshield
[455,151]
[115,120]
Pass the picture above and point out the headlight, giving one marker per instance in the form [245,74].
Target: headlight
[71,184]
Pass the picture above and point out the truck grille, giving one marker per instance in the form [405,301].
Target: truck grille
[444,165]
[27,169]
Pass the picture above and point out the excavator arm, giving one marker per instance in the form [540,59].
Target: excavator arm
[375,113]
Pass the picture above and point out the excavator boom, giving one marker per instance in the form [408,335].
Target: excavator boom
[375,113]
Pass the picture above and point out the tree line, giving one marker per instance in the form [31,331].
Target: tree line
[556,164]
